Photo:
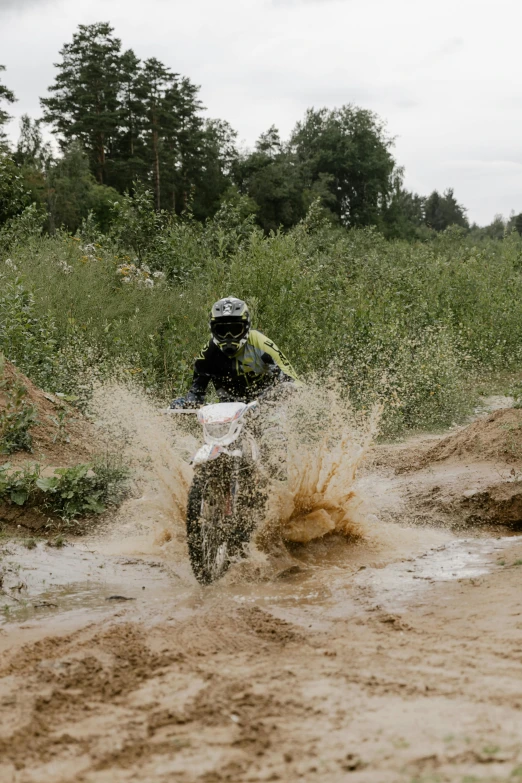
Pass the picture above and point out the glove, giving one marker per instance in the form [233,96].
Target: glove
[179,402]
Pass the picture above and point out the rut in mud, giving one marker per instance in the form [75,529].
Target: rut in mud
[386,650]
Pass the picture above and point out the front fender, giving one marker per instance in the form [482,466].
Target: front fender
[207,453]
[211,451]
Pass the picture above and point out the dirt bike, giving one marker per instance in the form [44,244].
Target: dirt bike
[226,494]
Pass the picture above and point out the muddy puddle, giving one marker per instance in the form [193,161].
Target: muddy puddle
[325,581]
[43,581]
[138,567]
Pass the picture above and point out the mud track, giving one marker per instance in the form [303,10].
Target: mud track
[392,659]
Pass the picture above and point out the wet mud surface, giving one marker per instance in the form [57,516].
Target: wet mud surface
[391,653]
[347,669]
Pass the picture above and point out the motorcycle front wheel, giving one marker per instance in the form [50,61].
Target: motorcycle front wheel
[216,528]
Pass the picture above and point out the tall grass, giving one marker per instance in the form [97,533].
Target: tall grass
[408,324]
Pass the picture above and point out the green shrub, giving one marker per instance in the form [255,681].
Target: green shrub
[411,324]
[78,491]
[16,419]
[18,486]
[83,490]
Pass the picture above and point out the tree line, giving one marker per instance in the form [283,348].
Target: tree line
[120,121]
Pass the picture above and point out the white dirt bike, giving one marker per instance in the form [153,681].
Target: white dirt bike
[226,495]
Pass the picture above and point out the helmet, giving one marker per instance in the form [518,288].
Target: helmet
[230,324]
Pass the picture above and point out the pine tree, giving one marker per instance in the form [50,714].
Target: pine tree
[84,104]
[156,80]
[130,150]
[443,211]
[184,141]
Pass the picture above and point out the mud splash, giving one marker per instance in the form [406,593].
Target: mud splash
[152,521]
[326,445]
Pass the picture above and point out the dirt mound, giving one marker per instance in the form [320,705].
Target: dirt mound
[498,504]
[498,437]
[61,436]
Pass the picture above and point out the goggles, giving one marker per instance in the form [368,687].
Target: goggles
[229,331]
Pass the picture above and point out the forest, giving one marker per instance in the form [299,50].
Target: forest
[114,245]
[122,123]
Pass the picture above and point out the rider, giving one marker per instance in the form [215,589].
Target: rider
[240,361]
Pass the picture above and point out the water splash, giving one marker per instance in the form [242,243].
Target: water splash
[327,442]
[152,521]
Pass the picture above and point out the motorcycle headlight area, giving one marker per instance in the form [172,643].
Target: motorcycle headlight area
[222,433]
[219,429]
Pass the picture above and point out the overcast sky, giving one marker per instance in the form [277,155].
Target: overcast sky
[445,75]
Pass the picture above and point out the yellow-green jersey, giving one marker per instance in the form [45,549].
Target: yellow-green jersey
[257,365]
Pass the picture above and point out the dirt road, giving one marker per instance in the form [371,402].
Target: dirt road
[394,658]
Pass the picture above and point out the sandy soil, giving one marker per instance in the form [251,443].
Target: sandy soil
[379,680]
[392,657]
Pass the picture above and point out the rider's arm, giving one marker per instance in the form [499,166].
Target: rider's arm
[201,377]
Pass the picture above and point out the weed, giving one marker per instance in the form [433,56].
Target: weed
[60,422]
[57,542]
[490,750]
[30,543]
[400,743]
[16,418]
[84,489]
[411,325]
[516,772]
[517,563]
[81,490]
[18,486]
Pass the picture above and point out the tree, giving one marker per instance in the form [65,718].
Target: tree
[74,192]
[130,149]
[404,217]
[13,195]
[155,80]
[84,105]
[269,143]
[34,157]
[31,148]
[7,96]
[212,165]
[443,211]
[348,145]
[184,143]
[274,178]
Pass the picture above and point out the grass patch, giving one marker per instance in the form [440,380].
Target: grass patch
[78,491]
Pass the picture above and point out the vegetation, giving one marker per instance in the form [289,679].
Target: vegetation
[79,491]
[121,121]
[407,324]
[112,253]
[16,417]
